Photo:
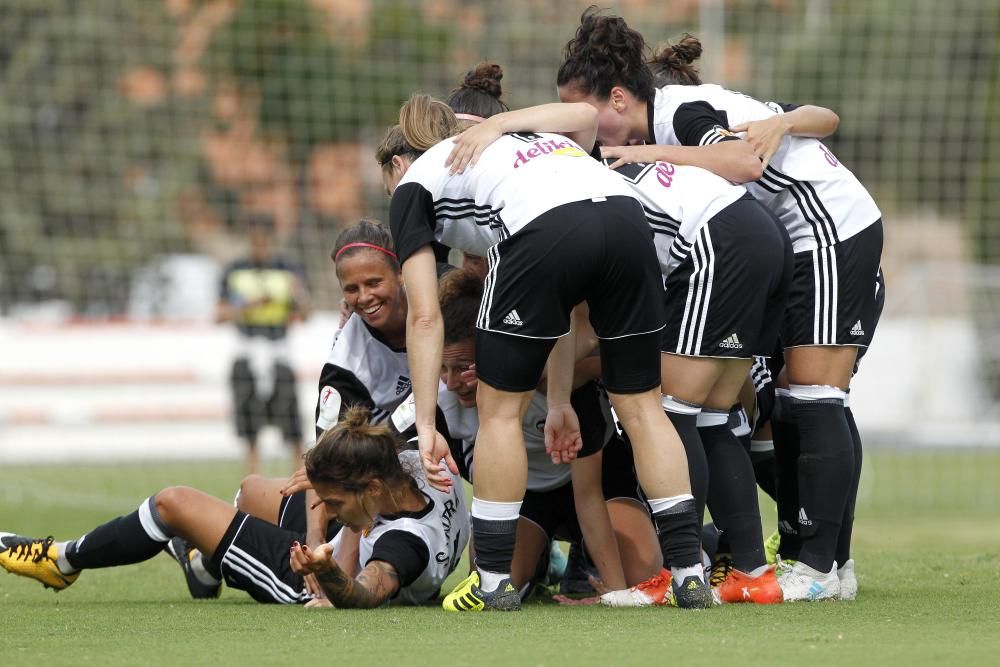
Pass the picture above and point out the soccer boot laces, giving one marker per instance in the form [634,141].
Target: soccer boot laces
[35,559]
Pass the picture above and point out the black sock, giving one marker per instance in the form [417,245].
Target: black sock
[826,468]
[494,543]
[679,532]
[712,541]
[765,470]
[687,429]
[847,524]
[128,539]
[732,496]
[786,462]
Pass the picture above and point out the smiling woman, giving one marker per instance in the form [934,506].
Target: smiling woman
[370,279]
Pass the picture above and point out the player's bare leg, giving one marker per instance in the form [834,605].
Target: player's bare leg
[661,466]
[498,488]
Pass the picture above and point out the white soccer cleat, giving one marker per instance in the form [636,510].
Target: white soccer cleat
[848,581]
[801,582]
[655,591]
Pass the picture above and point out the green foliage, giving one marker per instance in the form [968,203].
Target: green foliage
[917,97]
[88,178]
[314,87]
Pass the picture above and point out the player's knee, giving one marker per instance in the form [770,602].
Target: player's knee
[171,501]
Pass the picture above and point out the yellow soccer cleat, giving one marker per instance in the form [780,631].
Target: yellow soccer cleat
[468,596]
[35,559]
[771,545]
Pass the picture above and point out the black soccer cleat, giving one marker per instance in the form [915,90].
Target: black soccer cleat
[182,552]
[692,593]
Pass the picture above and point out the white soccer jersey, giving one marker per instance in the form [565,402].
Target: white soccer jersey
[819,200]
[517,178]
[543,474]
[678,202]
[443,526]
[361,370]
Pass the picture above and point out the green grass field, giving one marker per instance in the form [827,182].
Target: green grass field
[927,543]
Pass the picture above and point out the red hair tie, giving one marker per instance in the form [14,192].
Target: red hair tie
[365,245]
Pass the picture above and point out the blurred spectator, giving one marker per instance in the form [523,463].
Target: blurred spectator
[263,294]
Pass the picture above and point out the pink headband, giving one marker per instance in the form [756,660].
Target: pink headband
[469,116]
[365,245]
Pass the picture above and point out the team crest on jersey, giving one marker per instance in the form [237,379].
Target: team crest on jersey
[402,385]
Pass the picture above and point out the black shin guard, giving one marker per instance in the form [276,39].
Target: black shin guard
[847,523]
[679,532]
[826,468]
[786,461]
[494,543]
[687,429]
[732,496]
[128,539]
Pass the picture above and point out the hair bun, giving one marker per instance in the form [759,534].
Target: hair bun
[486,77]
[356,417]
[459,284]
[688,49]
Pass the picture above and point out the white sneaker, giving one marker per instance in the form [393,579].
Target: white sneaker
[848,581]
[801,582]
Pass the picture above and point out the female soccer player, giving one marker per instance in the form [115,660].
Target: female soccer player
[569,231]
[552,504]
[726,264]
[367,366]
[413,534]
[836,231]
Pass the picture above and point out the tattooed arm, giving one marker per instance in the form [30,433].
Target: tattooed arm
[375,584]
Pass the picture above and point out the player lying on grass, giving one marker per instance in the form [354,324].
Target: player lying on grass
[412,534]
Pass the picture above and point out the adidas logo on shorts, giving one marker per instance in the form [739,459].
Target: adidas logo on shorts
[856,330]
[804,520]
[513,319]
[402,385]
[733,342]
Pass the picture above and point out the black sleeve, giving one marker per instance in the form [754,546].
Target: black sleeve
[699,124]
[411,219]
[345,383]
[441,252]
[786,107]
[407,553]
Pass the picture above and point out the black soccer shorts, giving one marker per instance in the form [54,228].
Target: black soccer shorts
[600,252]
[726,299]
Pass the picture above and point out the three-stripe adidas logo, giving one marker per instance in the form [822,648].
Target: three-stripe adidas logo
[513,319]
[804,519]
[732,342]
[468,602]
[403,384]
[856,330]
